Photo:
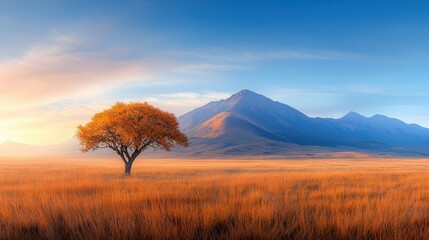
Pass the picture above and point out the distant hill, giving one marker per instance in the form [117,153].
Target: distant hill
[249,123]
[68,148]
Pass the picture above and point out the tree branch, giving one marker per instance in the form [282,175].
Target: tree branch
[139,150]
[125,151]
[122,156]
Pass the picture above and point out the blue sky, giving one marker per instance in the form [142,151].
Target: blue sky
[62,61]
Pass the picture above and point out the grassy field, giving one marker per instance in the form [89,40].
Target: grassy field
[215,199]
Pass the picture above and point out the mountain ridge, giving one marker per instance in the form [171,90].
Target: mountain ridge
[282,123]
[250,124]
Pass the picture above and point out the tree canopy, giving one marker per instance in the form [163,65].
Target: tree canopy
[131,128]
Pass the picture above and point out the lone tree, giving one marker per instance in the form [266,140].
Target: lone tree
[129,129]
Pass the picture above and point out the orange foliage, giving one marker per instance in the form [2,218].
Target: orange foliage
[129,129]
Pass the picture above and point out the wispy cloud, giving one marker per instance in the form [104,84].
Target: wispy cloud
[247,55]
[62,69]
[205,68]
[183,102]
[59,84]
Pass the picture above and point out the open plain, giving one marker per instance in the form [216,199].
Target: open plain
[341,198]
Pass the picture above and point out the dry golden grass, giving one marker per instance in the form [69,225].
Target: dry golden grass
[217,199]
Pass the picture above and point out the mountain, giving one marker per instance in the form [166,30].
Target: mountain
[250,123]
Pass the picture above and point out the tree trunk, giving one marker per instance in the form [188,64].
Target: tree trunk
[128,166]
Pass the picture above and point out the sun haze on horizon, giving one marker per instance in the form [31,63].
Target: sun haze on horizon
[61,62]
